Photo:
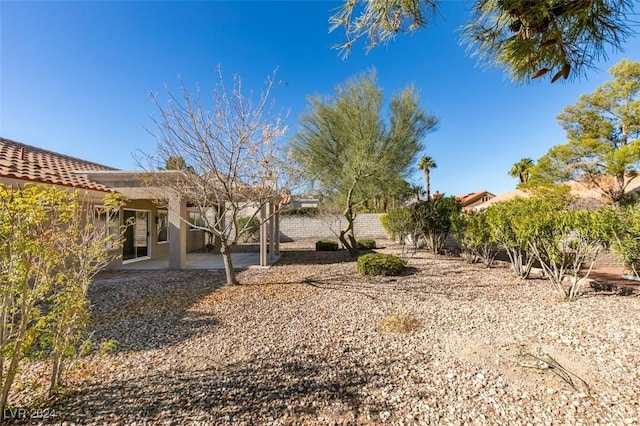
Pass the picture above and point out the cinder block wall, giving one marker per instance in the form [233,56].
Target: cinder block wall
[607,258]
[367,225]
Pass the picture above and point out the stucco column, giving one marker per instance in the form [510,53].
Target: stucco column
[272,232]
[263,236]
[177,232]
[276,231]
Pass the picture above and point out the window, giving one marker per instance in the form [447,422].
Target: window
[108,224]
[163,226]
[195,220]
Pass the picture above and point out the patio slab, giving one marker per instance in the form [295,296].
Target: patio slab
[207,261]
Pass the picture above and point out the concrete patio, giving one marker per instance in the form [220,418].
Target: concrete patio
[207,261]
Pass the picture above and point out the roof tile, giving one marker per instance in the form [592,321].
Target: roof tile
[26,162]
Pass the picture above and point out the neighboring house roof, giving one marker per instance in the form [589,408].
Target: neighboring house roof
[505,196]
[475,198]
[32,164]
[580,190]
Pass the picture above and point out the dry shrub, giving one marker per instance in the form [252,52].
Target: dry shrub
[398,324]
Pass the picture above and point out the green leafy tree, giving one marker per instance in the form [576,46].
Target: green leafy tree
[51,245]
[417,191]
[425,164]
[563,241]
[522,170]
[626,237]
[558,38]
[394,194]
[400,225]
[602,131]
[434,219]
[346,146]
[504,220]
[473,234]
[176,162]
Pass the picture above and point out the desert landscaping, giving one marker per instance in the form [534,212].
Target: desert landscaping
[309,341]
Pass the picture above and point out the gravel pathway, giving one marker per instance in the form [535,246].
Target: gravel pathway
[299,343]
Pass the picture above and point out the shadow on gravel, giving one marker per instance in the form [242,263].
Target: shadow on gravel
[147,310]
[250,393]
[311,257]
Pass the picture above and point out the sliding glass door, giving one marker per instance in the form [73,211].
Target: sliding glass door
[136,236]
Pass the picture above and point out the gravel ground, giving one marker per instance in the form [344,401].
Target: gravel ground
[300,343]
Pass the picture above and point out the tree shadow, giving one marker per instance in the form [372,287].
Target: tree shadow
[304,385]
[602,287]
[148,310]
[312,257]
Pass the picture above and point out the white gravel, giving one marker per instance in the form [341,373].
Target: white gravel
[298,344]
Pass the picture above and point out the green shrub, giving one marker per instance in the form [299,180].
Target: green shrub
[627,237]
[384,221]
[249,227]
[399,223]
[434,219]
[380,264]
[473,234]
[366,244]
[326,245]
[300,211]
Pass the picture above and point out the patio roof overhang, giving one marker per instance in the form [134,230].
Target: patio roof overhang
[131,183]
[135,185]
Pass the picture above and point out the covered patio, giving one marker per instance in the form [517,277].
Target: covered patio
[204,261]
[174,253]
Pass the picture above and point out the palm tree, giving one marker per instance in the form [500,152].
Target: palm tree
[417,191]
[522,170]
[426,164]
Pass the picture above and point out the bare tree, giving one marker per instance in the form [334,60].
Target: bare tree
[233,166]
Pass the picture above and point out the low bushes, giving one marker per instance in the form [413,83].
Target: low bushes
[380,264]
[627,237]
[366,244]
[423,224]
[474,236]
[326,245]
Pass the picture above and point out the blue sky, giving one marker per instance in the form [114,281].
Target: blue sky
[75,78]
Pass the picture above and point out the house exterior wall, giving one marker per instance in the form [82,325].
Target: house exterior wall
[156,249]
[477,202]
[196,240]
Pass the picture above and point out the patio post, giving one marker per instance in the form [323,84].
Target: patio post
[272,229]
[276,231]
[177,232]
[263,236]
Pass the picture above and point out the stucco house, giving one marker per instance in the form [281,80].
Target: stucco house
[155,231]
[473,199]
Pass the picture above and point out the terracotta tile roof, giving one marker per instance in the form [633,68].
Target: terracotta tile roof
[467,199]
[506,196]
[32,164]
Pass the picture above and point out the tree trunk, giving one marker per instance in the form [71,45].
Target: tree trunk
[55,373]
[524,177]
[427,180]
[351,244]
[618,191]
[230,274]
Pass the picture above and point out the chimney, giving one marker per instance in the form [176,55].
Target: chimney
[22,153]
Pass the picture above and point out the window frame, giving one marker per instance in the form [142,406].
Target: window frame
[159,221]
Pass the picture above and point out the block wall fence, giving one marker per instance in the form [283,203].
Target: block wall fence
[367,225]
